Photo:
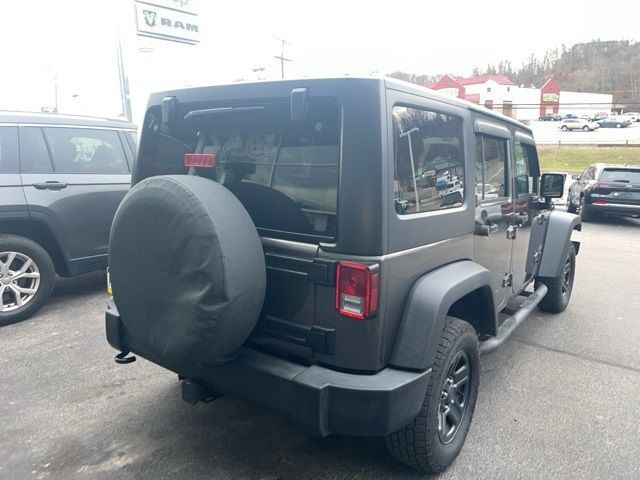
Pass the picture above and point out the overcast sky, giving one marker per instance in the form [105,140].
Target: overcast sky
[74,40]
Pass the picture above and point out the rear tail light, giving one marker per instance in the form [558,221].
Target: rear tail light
[356,290]
[600,202]
[207,160]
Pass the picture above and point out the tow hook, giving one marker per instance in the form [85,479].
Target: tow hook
[122,358]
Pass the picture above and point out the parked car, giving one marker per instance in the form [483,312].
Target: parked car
[569,115]
[247,273]
[606,189]
[578,124]
[599,116]
[61,179]
[632,116]
[550,117]
[614,122]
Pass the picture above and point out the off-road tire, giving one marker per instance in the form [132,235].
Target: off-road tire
[418,444]
[41,258]
[555,301]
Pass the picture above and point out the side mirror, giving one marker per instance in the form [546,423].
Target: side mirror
[575,177]
[552,185]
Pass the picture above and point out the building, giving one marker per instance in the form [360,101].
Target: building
[499,93]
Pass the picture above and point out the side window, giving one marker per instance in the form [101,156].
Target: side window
[491,172]
[523,178]
[84,150]
[34,156]
[428,160]
[9,150]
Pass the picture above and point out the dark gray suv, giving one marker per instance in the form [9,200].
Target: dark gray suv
[61,180]
[340,249]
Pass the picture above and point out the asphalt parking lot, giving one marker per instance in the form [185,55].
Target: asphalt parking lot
[558,400]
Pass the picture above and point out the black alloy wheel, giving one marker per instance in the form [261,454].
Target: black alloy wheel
[454,398]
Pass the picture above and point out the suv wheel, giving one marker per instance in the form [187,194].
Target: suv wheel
[585,215]
[560,288]
[26,278]
[564,128]
[433,440]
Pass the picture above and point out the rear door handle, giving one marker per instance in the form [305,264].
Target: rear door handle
[51,185]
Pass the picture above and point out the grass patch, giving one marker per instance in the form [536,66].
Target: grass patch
[576,159]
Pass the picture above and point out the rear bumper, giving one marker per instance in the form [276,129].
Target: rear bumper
[614,209]
[323,401]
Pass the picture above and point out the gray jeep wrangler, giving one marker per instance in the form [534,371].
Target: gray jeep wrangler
[340,249]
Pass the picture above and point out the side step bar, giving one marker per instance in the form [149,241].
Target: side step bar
[514,321]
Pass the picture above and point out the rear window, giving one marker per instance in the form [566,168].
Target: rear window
[621,175]
[285,173]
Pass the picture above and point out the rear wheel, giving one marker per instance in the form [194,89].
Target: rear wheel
[585,214]
[585,128]
[560,288]
[618,125]
[435,437]
[27,277]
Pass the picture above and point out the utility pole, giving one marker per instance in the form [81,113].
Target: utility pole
[281,56]
[124,82]
[55,93]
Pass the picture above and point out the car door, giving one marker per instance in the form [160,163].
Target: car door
[492,248]
[74,178]
[526,207]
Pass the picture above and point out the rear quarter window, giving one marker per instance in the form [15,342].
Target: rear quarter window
[9,150]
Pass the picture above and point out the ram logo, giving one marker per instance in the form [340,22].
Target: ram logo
[149,17]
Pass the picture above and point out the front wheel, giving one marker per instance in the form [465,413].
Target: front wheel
[435,437]
[585,128]
[565,128]
[27,277]
[560,288]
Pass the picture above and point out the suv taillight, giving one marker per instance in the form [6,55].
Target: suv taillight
[356,290]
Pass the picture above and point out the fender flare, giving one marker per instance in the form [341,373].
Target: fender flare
[556,242]
[425,312]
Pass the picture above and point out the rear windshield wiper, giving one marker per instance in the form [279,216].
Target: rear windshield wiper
[210,112]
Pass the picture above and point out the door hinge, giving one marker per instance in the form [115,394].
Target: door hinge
[507,280]
[511,232]
[537,256]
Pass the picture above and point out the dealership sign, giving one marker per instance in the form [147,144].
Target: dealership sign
[550,97]
[172,20]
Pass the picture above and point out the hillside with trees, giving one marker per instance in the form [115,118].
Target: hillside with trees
[597,66]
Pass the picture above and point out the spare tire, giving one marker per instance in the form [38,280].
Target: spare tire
[187,271]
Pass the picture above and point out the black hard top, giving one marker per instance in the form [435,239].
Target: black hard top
[259,88]
[60,119]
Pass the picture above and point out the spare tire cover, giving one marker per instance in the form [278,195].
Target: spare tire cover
[187,271]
